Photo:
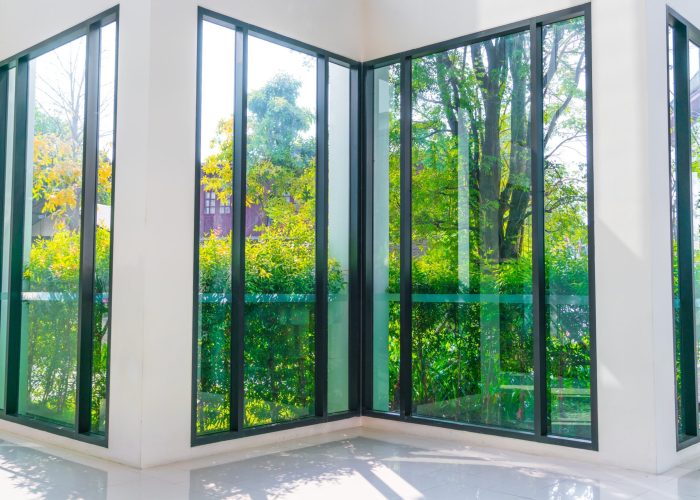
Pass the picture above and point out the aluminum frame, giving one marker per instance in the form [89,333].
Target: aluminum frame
[687,416]
[323,59]
[534,26]
[91,29]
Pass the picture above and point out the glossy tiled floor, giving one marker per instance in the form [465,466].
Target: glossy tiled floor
[359,465]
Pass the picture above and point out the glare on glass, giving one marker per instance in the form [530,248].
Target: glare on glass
[386,240]
[338,235]
[48,358]
[472,235]
[567,312]
[280,330]
[215,191]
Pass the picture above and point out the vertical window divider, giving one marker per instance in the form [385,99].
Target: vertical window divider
[688,353]
[367,105]
[405,365]
[591,227]
[354,287]
[237,334]
[196,250]
[538,265]
[321,337]
[88,231]
[4,100]
[19,160]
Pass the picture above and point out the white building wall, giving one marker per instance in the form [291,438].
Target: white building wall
[154,204]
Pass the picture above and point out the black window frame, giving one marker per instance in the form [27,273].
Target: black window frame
[534,26]
[91,29]
[688,411]
[324,58]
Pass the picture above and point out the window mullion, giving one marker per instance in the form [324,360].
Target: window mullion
[538,261]
[406,352]
[87,233]
[19,164]
[321,337]
[237,333]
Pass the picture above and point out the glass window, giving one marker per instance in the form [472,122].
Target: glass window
[52,233]
[6,224]
[567,311]
[225,207]
[674,234]
[103,232]
[209,203]
[472,234]
[694,67]
[56,259]
[684,140]
[684,135]
[338,236]
[386,239]
[280,248]
[215,183]
[478,226]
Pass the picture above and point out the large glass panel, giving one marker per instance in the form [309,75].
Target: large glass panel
[338,235]
[280,235]
[674,235]
[386,239]
[216,153]
[567,308]
[103,230]
[472,227]
[5,264]
[52,234]
[694,73]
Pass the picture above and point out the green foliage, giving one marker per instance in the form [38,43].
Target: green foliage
[51,276]
[280,267]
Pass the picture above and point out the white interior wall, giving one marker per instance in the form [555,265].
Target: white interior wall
[22,25]
[150,384]
[657,150]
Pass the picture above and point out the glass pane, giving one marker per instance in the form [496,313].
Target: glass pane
[694,73]
[103,233]
[338,235]
[280,235]
[674,236]
[5,264]
[566,230]
[52,234]
[386,240]
[472,235]
[214,313]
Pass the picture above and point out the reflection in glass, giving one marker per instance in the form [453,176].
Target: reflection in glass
[5,264]
[52,234]
[216,153]
[472,234]
[103,233]
[694,73]
[280,235]
[386,239]
[566,230]
[674,235]
[338,235]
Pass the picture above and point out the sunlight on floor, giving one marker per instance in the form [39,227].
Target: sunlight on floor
[362,464]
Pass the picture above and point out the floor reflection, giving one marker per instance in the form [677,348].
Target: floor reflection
[364,465]
[26,472]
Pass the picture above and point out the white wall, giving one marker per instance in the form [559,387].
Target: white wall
[150,384]
[393,26]
[150,377]
[658,157]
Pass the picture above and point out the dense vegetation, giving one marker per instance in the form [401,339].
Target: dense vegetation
[472,244]
[472,248]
